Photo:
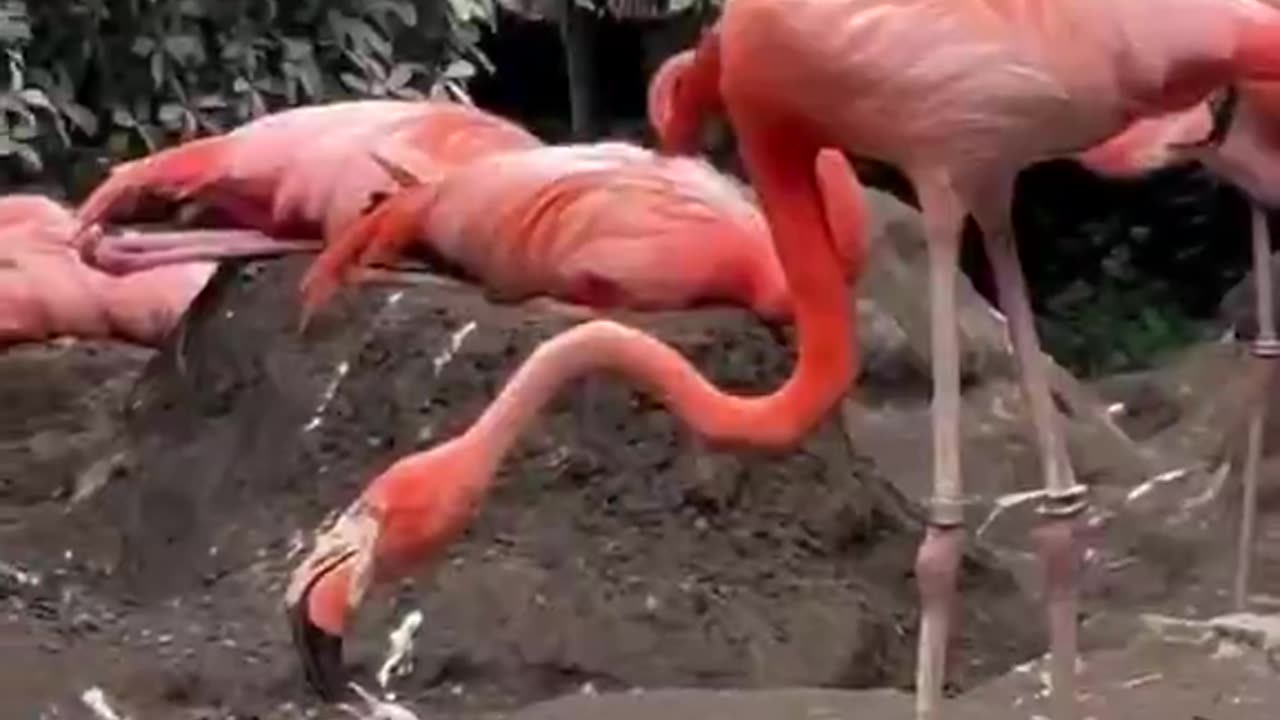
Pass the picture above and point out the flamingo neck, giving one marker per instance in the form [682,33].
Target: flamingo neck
[779,420]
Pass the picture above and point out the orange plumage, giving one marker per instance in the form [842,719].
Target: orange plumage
[595,224]
[46,291]
[302,173]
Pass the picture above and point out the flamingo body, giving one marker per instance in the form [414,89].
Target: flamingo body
[302,172]
[961,95]
[46,291]
[603,225]
[1248,155]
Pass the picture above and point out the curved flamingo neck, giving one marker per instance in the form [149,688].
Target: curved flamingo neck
[825,327]
[684,93]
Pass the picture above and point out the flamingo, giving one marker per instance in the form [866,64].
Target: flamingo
[593,224]
[408,514]
[1237,138]
[47,292]
[961,96]
[284,180]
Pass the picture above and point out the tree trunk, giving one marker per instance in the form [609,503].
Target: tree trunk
[575,36]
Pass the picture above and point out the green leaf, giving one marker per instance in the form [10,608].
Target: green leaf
[460,70]
[402,9]
[37,97]
[15,23]
[24,152]
[172,116]
[400,76]
[80,116]
[121,117]
[354,83]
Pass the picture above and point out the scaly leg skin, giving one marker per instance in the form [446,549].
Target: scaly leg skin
[1266,348]
[938,559]
[1065,499]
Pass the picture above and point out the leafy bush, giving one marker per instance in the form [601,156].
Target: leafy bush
[132,75]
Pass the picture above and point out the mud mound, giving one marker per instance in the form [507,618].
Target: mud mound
[614,552]
[61,402]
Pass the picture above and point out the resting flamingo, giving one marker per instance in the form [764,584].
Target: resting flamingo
[285,180]
[411,511]
[961,96]
[1236,137]
[46,292]
[593,224]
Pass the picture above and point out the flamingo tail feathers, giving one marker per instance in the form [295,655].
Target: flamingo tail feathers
[376,238]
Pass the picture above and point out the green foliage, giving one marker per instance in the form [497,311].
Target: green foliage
[132,75]
[1122,273]
[1115,327]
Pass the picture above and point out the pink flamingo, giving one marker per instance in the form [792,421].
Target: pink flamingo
[410,512]
[47,292]
[961,96]
[592,224]
[302,173]
[1237,138]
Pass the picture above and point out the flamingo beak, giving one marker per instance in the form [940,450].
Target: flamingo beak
[1223,111]
[323,592]
[318,646]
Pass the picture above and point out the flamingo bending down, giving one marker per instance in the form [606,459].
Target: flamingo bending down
[1244,150]
[592,224]
[410,512]
[301,173]
[46,291]
[961,96]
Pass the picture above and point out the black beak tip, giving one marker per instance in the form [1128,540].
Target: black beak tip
[320,653]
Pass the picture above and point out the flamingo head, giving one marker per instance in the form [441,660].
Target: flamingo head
[1155,142]
[684,94]
[407,515]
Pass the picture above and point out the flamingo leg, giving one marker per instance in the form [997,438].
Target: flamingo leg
[1065,499]
[938,558]
[1267,348]
[127,252]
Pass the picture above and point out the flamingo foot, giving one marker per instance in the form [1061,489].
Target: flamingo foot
[937,567]
[1057,547]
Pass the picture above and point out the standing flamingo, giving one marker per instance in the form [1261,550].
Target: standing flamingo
[1238,139]
[409,513]
[592,224]
[961,96]
[301,173]
[47,292]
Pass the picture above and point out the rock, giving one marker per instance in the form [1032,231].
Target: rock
[613,551]
[61,400]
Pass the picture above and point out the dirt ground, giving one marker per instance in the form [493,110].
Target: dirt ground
[614,554]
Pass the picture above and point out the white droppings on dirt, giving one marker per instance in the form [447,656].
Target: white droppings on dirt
[378,709]
[326,397]
[439,362]
[96,701]
[18,575]
[399,660]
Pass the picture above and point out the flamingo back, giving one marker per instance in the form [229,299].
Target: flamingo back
[601,224]
[973,88]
